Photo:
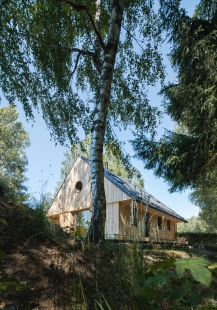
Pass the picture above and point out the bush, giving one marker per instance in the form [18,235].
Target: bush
[211,247]
[199,239]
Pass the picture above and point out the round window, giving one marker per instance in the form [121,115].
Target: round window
[78,186]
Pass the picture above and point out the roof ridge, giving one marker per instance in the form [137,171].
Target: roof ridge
[133,191]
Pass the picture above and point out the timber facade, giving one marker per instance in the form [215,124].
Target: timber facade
[131,213]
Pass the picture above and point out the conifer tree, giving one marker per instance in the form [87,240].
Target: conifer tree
[187,159]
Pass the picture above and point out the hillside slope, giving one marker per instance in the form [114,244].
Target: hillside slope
[52,269]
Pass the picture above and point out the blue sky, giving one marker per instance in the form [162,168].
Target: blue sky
[45,157]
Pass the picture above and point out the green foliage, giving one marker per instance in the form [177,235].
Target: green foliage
[13,161]
[198,268]
[163,264]
[164,284]
[168,280]
[187,159]
[196,225]
[205,197]
[39,223]
[118,167]
[115,163]
[52,44]
[199,238]
[211,247]
[66,48]
[81,225]
[101,307]
[3,221]
[2,254]
[122,267]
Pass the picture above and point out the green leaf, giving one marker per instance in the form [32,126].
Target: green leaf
[3,221]
[164,264]
[11,283]
[193,299]
[198,269]
[146,291]
[158,296]
[161,277]
[182,292]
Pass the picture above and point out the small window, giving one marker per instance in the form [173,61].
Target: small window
[78,186]
[159,223]
[168,225]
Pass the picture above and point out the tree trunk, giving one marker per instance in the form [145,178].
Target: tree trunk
[97,228]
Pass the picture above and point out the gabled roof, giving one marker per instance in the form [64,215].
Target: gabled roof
[136,193]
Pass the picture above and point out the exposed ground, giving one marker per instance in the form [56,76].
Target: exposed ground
[63,274]
[51,269]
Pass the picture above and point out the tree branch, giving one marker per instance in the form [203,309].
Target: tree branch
[26,33]
[75,67]
[82,7]
[3,2]
[56,45]
[68,49]
[137,40]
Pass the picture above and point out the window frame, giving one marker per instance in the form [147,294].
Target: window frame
[159,222]
[168,225]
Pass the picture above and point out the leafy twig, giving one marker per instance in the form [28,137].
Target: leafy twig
[82,7]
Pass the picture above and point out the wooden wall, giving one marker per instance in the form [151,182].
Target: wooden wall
[68,199]
[139,231]
[112,218]
[113,193]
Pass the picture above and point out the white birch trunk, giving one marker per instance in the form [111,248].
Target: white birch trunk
[97,228]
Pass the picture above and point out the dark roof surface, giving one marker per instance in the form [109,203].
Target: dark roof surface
[136,193]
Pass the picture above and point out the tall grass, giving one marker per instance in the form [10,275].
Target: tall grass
[39,223]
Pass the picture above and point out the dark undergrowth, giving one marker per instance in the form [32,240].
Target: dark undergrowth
[52,270]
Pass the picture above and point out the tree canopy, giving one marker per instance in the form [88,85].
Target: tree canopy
[55,51]
[49,59]
[196,224]
[205,197]
[187,158]
[13,161]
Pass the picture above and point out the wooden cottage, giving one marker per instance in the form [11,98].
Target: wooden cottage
[131,213]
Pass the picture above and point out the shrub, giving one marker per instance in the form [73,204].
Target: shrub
[199,239]
[211,247]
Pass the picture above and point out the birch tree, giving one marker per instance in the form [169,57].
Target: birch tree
[76,61]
